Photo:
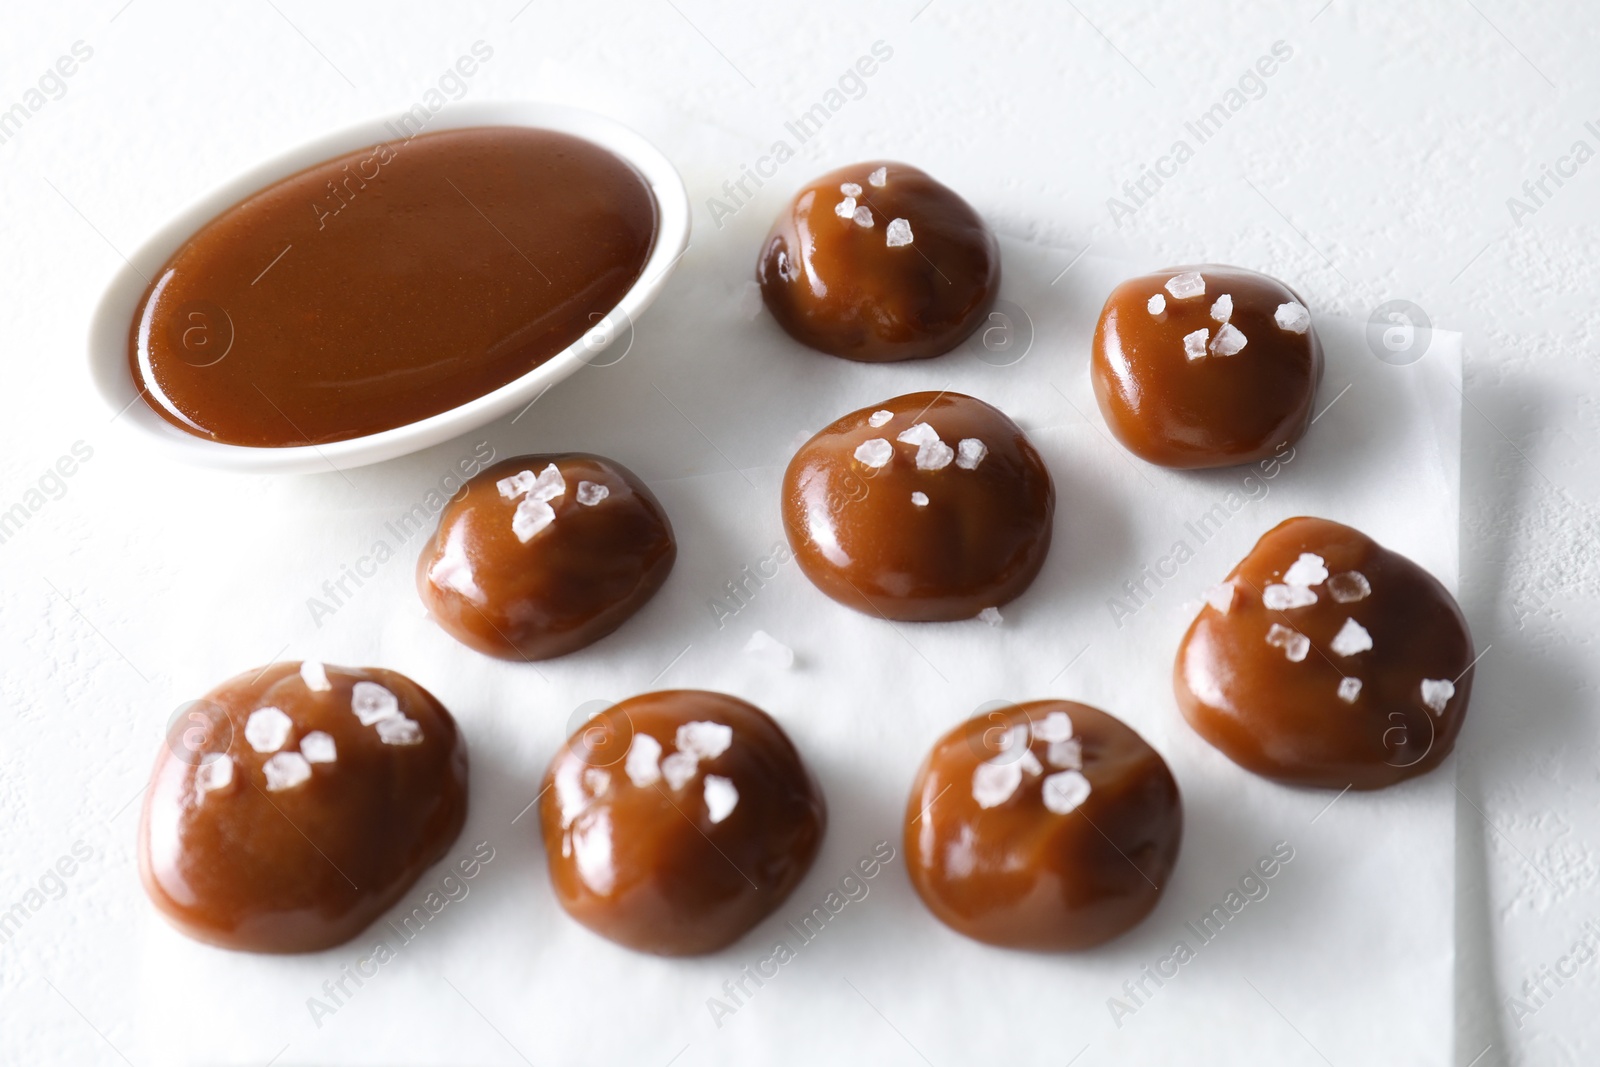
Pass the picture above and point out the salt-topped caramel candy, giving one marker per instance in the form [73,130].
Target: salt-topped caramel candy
[1205,366]
[299,803]
[878,262]
[543,555]
[1049,825]
[930,506]
[1326,660]
[675,821]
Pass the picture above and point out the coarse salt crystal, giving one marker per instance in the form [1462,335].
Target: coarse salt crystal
[1349,586]
[1056,726]
[879,418]
[1186,285]
[213,775]
[769,651]
[932,453]
[549,484]
[399,730]
[878,178]
[845,208]
[970,452]
[991,616]
[315,676]
[516,485]
[267,729]
[1156,304]
[530,517]
[850,189]
[920,499]
[994,781]
[678,768]
[720,795]
[1309,569]
[1229,341]
[372,702]
[596,781]
[1295,645]
[1064,791]
[898,233]
[591,493]
[1351,638]
[643,762]
[1349,689]
[1220,597]
[1030,762]
[863,216]
[1284,597]
[318,747]
[874,453]
[1292,317]
[1194,344]
[285,771]
[1222,310]
[703,739]
[1436,693]
[1067,754]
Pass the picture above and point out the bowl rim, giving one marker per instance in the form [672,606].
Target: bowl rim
[107,341]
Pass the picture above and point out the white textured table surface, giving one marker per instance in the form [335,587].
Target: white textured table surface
[1374,164]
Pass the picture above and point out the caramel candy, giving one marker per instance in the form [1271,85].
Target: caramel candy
[307,802]
[675,821]
[930,506]
[1049,825]
[1326,660]
[1205,366]
[878,262]
[543,555]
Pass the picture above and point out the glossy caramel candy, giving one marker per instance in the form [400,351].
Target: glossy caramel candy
[1049,825]
[1324,659]
[930,506]
[677,820]
[878,262]
[293,805]
[1205,366]
[543,555]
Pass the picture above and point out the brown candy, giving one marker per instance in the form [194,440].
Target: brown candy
[878,262]
[293,805]
[675,821]
[1326,660]
[543,555]
[1183,381]
[930,506]
[1049,825]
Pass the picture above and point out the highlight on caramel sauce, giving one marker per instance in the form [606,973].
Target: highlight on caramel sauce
[389,284]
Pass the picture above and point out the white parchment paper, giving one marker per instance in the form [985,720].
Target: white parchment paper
[1345,954]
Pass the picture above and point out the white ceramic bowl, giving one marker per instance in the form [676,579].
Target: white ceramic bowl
[108,330]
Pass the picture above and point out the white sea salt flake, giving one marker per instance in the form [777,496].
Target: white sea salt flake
[1349,586]
[516,484]
[1295,645]
[596,781]
[769,651]
[1056,726]
[899,233]
[285,771]
[591,493]
[991,616]
[678,768]
[267,729]
[548,485]
[1229,341]
[878,178]
[932,453]
[315,676]
[318,747]
[703,739]
[1220,597]
[1309,569]
[1351,638]
[530,517]
[399,730]
[850,189]
[1292,317]
[1066,754]
[1030,763]
[920,499]
[1349,689]
[372,702]
[721,797]
[1194,344]
[1156,304]
[845,208]
[1186,285]
[1284,597]
[1015,737]
[875,453]
[1064,791]
[213,775]
[970,452]
[643,762]
[863,216]
[1436,693]
[879,418]
[994,782]
[1222,310]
